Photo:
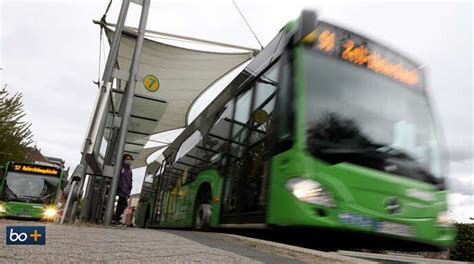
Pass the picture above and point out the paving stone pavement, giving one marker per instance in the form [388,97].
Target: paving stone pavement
[92,243]
[70,243]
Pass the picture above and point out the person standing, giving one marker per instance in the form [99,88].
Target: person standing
[124,187]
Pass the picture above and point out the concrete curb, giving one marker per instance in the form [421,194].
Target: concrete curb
[333,256]
[398,258]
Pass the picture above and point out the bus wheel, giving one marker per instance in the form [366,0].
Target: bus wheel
[202,217]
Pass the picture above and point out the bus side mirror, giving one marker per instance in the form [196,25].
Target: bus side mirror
[260,116]
[63,183]
[306,24]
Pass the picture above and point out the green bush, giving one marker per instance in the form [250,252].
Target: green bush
[463,248]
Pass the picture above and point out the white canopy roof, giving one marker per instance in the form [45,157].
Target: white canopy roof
[169,81]
[144,154]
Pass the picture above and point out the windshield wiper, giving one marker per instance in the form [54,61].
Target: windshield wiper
[30,198]
[385,151]
[45,198]
[343,150]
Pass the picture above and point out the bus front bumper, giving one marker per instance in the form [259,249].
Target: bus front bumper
[353,220]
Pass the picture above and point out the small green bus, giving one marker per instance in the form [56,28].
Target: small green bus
[30,191]
[324,129]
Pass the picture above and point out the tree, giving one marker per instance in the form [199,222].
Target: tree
[15,134]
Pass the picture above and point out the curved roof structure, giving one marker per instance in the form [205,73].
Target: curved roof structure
[169,81]
[182,74]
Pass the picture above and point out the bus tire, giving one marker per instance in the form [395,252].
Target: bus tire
[202,217]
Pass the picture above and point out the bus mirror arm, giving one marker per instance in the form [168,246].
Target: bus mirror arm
[306,24]
[63,183]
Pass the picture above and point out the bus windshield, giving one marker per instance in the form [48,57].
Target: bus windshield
[358,116]
[30,187]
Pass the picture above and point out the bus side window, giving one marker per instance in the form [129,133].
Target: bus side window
[216,141]
[282,138]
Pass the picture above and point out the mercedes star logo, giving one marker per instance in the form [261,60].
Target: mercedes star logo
[392,205]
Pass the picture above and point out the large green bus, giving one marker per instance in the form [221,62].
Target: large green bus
[30,191]
[324,129]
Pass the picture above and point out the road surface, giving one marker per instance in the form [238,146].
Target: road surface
[94,243]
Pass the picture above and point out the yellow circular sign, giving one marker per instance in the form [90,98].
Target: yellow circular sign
[151,83]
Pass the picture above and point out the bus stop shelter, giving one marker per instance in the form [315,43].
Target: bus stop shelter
[148,87]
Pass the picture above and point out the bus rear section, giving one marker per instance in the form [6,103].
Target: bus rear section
[30,191]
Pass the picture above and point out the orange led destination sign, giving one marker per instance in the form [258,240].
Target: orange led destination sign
[27,168]
[360,51]
[360,55]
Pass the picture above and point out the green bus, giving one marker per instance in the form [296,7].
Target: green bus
[30,191]
[324,129]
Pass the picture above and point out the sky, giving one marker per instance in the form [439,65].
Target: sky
[49,51]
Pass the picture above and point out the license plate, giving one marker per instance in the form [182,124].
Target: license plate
[395,229]
[24,215]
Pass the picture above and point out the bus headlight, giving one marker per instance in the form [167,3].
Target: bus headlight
[50,212]
[443,219]
[310,191]
[3,209]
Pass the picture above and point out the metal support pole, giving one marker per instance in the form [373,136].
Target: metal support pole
[110,65]
[86,203]
[68,201]
[106,80]
[72,216]
[103,182]
[94,194]
[128,93]
[72,191]
[87,199]
[99,199]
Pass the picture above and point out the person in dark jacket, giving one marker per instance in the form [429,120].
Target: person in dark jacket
[124,187]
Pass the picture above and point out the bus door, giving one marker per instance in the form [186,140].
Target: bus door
[244,197]
[235,160]
[157,195]
[256,171]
